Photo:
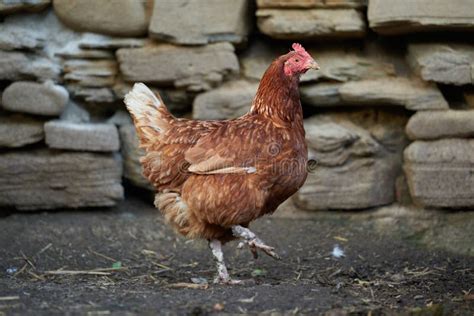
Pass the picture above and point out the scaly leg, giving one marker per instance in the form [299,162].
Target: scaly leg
[222,274]
[253,241]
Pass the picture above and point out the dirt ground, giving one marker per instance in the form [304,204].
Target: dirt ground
[128,262]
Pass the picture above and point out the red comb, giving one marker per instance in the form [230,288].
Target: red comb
[298,48]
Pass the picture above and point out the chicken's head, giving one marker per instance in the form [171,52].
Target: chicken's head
[298,61]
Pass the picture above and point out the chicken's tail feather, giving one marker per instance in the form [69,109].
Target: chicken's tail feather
[176,212]
[150,115]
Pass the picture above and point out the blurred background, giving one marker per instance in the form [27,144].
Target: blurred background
[389,117]
[384,219]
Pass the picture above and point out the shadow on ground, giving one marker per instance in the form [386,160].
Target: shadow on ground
[130,263]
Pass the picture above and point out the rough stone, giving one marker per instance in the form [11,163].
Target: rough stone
[374,186]
[342,66]
[131,154]
[85,136]
[43,179]
[12,65]
[188,22]
[343,150]
[413,94]
[311,23]
[337,65]
[99,68]
[98,41]
[43,69]
[441,124]
[93,95]
[404,16]
[72,51]
[118,17]
[35,98]
[321,94]
[93,81]
[41,32]
[443,63]
[12,38]
[75,113]
[311,4]
[193,68]
[410,93]
[18,131]
[231,100]
[441,173]
[43,29]
[90,73]
[16,66]
[9,7]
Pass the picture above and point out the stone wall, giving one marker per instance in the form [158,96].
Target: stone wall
[389,117]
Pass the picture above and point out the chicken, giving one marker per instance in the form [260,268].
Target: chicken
[215,177]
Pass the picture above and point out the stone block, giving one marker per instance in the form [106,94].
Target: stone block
[193,68]
[18,131]
[190,22]
[441,124]
[82,136]
[305,24]
[35,98]
[406,16]
[443,63]
[441,173]
[43,180]
[118,17]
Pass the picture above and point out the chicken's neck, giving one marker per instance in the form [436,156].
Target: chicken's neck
[278,98]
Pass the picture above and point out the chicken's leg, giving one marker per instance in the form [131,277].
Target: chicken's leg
[253,241]
[222,274]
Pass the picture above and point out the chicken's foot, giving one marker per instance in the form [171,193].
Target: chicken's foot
[253,242]
[222,273]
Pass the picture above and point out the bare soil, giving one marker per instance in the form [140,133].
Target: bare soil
[129,262]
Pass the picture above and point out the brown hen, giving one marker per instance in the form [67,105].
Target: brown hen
[214,177]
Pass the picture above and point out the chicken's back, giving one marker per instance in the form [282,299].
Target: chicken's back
[164,164]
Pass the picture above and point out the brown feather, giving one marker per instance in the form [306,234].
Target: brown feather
[211,175]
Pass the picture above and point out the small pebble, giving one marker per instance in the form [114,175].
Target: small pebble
[199,280]
[218,307]
[12,270]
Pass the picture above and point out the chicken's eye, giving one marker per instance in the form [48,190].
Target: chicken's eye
[297,60]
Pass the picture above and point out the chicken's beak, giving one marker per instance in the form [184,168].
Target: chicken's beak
[313,65]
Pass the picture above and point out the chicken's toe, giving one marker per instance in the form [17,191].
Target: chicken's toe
[258,244]
[253,242]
